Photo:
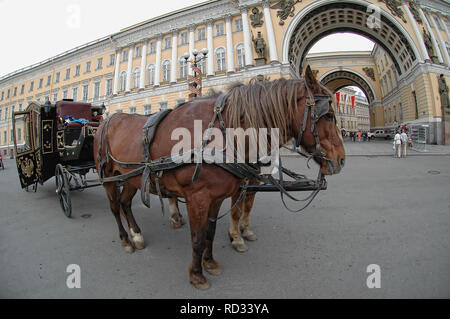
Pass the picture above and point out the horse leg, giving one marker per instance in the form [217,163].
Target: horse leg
[113,194]
[235,216]
[176,220]
[126,198]
[208,262]
[247,233]
[198,205]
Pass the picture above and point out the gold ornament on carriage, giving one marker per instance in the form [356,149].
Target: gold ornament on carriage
[27,167]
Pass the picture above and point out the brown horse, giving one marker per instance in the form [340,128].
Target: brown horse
[279,104]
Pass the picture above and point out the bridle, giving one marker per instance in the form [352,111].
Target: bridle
[319,106]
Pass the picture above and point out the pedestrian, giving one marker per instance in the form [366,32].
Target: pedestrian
[397,145]
[1,162]
[359,136]
[404,139]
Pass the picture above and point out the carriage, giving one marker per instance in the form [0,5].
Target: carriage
[56,141]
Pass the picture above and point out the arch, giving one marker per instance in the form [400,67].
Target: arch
[351,78]
[325,17]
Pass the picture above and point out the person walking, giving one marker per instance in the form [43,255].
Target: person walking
[404,139]
[1,163]
[397,145]
[359,136]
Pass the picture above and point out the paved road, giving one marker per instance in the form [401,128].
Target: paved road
[391,212]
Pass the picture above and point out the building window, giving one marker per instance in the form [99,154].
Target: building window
[19,134]
[112,57]
[119,111]
[57,76]
[220,59]
[183,68]
[201,34]
[138,51]
[49,80]
[238,25]
[167,43]
[109,83]
[183,38]
[99,63]
[151,74]
[166,71]
[85,92]
[3,96]
[220,29]
[67,74]
[400,108]
[74,94]
[163,106]
[55,97]
[46,99]
[41,81]
[20,107]
[65,94]
[96,90]
[152,47]
[123,80]
[125,55]
[202,64]
[136,77]
[1,113]
[31,86]
[88,67]
[6,113]
[240,55]
[132,110]
[77,70]
[15,91]
[147,109]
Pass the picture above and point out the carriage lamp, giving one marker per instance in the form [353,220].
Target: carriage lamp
[47,107]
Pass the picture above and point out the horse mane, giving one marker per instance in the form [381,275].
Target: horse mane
[263,104]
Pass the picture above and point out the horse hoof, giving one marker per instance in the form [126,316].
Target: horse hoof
[249,235]
[177,223]
[239,245]
[199,282]
[137,239]
[128,249]
[212,267]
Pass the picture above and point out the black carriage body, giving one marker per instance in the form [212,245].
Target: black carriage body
[49,141]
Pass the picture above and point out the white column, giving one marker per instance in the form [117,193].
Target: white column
[143,64]
[116,73]
[230,49]
[247,39]
[191,46]
[211,56]
[173,68]
[129,68]
[273,54]
[441,41]
[417,32]
[433,39]
[158,61]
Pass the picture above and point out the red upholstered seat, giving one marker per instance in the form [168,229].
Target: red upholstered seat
[77,110]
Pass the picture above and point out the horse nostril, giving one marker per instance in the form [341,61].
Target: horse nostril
[342,162]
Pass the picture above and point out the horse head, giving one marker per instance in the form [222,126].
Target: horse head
[315,126]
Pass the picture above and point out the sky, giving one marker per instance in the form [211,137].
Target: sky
[32,31]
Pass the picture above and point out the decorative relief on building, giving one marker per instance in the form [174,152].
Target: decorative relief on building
[286,9]
[443,93]
[429,45]
[394,7]
[256,18]
[415,11]
[260,48]
[370,72]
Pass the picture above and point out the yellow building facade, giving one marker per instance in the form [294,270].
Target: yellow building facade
[141,68]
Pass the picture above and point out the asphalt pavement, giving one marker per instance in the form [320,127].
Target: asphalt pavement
[394,213]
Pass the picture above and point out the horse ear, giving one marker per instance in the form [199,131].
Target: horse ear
[310,78]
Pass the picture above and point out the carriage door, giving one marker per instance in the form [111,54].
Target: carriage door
[25,127]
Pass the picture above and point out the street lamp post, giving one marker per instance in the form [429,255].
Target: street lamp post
[195,82]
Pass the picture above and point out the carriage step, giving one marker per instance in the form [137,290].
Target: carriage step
[290,186]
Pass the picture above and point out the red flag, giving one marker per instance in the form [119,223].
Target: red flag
[353,102]
[338,98]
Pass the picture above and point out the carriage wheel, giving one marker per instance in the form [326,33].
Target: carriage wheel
[63,190]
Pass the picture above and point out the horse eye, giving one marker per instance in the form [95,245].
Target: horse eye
[329,116]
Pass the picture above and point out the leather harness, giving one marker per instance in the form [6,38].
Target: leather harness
[318,105]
